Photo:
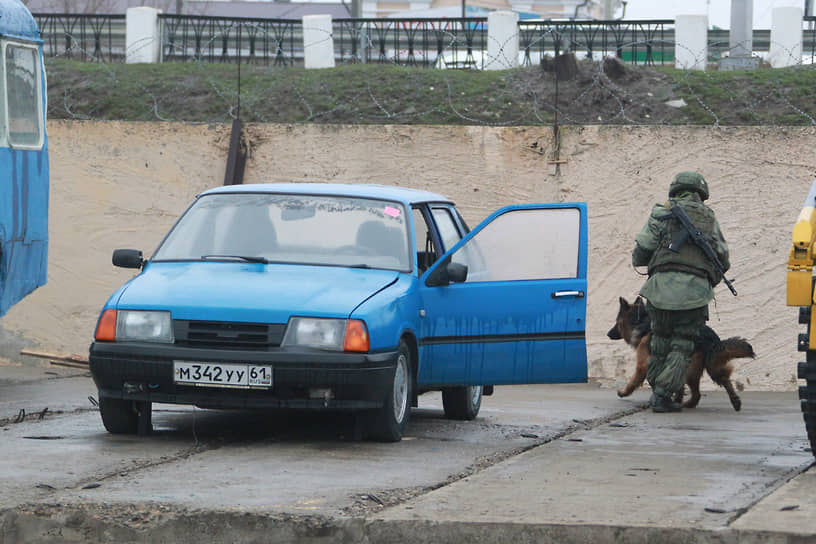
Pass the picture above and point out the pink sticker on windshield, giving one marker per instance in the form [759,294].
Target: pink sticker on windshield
[393,212]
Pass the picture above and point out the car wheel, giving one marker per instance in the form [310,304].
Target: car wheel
[119,416]
[462,402]
[396,410]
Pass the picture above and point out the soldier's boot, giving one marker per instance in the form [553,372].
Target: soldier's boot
[662,404]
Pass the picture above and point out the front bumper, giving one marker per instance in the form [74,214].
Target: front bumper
[357,381]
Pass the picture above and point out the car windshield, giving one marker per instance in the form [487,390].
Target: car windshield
[296,229]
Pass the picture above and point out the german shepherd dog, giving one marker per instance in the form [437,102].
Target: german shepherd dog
[634,326]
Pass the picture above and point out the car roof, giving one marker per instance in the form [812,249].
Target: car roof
[362,190]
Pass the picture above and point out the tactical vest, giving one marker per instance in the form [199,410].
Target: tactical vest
[689,258]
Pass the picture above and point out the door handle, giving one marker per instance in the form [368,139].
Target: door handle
[561,294]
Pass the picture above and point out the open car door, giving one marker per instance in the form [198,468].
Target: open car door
[507,304]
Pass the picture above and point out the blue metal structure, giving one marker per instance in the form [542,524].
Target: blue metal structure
[23,156]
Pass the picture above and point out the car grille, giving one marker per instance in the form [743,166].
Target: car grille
[228,335]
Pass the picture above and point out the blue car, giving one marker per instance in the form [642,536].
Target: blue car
[343,297]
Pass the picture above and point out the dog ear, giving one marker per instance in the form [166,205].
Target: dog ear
[623,304]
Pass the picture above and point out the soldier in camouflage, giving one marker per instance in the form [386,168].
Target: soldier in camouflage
[680,285]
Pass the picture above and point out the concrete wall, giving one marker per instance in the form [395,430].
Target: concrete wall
[123,184]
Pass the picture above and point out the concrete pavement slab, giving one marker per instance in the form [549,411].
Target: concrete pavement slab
[540,464]
[789,509]
[700,468]
[254,462]
[41,459]
[58,394]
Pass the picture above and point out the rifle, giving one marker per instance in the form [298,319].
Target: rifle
[699,239]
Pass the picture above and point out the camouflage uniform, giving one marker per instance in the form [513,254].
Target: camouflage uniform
[680,285]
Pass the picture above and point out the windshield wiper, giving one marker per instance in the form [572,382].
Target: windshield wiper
[247,258]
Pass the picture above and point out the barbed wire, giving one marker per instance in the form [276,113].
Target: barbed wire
[590,96]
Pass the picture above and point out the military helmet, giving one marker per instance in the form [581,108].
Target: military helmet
[689,181]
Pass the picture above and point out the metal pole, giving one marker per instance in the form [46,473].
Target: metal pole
[239,72]
[357,13]
[556,136]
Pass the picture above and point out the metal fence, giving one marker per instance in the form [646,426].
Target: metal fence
[89,38]
[454,42]
[640,42]
[809,38]
[279,42]
[276,42]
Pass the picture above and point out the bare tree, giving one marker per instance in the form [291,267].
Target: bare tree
[115,6]
[74,6]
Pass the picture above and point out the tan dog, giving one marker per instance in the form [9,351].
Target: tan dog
[711,354]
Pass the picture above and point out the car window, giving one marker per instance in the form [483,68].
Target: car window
[298,229]
[447,227]
[524,245]
[22,84]
[425,246]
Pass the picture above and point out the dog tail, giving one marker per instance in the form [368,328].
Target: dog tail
[719,353]
[736,348]
[721,366]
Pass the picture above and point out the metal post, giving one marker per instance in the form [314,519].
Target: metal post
[239,72]
[357,13]
[556,156]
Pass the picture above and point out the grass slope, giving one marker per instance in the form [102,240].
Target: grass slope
[387,94]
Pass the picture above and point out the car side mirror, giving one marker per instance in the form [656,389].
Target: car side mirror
[457,272]
[128,258]
[447,273]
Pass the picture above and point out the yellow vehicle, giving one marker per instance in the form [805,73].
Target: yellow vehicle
[801,293]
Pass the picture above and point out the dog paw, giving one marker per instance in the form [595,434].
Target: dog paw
[623,393]
[737,404]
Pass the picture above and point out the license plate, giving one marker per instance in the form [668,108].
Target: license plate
[242,376]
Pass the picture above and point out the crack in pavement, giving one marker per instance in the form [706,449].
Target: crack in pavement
[386,498]
[771,486]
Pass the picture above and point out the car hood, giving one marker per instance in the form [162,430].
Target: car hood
[249,292]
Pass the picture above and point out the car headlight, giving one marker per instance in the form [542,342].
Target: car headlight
[331,334]
[144,326]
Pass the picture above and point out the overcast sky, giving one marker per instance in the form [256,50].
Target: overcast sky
[718,11]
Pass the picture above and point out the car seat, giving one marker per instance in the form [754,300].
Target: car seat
[250,232]
[382,240]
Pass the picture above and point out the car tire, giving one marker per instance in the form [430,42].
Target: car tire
[390,421]
[462,402]
[119,416]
